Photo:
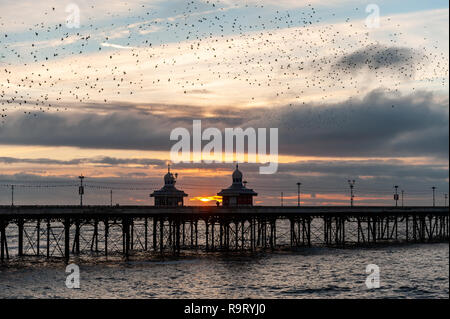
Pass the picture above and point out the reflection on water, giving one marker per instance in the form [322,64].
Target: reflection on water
[407,271]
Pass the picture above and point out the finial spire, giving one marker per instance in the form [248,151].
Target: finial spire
[168,168]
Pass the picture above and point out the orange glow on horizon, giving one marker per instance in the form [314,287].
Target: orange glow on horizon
[207,199]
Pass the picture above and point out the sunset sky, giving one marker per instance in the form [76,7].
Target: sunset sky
[350,100]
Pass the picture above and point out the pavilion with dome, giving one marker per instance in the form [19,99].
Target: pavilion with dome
[237,194]
[169,195]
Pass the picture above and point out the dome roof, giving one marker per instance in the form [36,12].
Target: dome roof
[238,187]
[237,173]
[169,178]
[237,176]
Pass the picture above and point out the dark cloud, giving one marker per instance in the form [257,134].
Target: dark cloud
[124,130]
[378,125]
[95,160]
[375,57]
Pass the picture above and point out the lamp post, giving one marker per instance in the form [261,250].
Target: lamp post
[12,195]
[298,193]
[351,183]
[434,197]
[396,195]
[81,189]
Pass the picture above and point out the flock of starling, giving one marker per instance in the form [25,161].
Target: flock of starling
[287,52]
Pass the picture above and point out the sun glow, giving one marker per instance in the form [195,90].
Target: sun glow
[207,199]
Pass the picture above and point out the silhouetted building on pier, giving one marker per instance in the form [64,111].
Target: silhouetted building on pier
[237,194]
[169,195]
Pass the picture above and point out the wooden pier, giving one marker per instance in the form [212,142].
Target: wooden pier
[65,231]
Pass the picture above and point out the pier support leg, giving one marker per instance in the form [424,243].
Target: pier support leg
[227,235]
[212,234]
[183,232]
[191,228]
[221,235]
[252,234]
[258,236]
[274,230]
[155,229]
[126,237]
[20,224]
[38,239]
[303,230]
[343,231]
[2,241]
[236,233]
[291,232]
[76,241]
[243,234]
[145,234]
[67,240]
[131,234]
[359,229]
[196,234]
[207,234]
[178,236]
[374,230]
[170,241]
[161,235]
[94,241]
[308,225]
[407,228]
[106,223]
[48,238]
[396,228]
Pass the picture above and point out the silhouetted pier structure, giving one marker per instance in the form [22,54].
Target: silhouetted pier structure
[65,231]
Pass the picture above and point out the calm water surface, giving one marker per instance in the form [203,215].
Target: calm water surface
[407,271]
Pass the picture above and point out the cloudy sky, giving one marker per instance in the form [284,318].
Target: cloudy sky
[353,96]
